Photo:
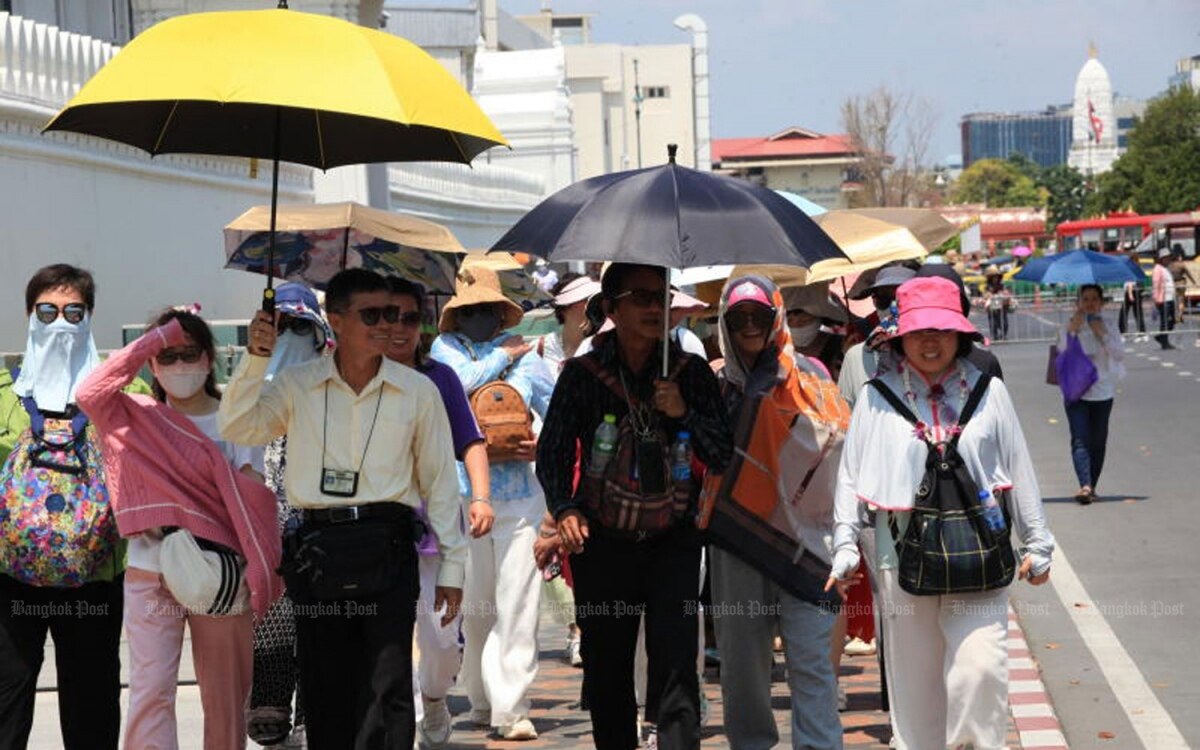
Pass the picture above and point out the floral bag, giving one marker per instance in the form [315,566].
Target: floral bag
[56,524]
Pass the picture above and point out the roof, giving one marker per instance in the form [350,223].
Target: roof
[791,143]
[997,222]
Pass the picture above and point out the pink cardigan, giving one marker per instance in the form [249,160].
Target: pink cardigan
[162,471]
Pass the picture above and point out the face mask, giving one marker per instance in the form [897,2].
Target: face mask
[481,326]
[804,335]
[291,349]
[182,381]
[58,356]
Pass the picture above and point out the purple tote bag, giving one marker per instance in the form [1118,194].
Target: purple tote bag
[1076,373]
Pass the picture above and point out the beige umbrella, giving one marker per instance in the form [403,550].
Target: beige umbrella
[515,280]
[868,243]
[929,227]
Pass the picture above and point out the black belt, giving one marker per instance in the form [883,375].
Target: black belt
[350,513]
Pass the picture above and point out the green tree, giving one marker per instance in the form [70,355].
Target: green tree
[1160,171]
[997,183]
[1066,191]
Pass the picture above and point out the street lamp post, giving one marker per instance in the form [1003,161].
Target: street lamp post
[637,110]
[700,98]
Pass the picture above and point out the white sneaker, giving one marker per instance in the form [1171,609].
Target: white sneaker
[435,727]
[521,729]
[481,717]
[651,741]
[859,647]
[574,658]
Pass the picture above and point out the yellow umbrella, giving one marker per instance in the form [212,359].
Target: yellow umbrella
[283,85]
[868,243]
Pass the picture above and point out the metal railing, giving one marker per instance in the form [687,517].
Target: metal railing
[1040,317]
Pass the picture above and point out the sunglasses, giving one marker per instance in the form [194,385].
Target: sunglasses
[299,326]
[471,311]
[643,297]
[883,299]
[370,316]
[410,319]
[47,312]
[760,318]
[190,355]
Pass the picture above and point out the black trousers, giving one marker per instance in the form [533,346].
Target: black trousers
[85,623]
[355,666]
[616,581]
[1166,322]
[1131,307]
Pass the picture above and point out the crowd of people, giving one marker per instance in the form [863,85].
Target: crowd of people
[354,487]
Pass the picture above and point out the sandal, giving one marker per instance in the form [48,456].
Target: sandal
[269,725]
[1084,496]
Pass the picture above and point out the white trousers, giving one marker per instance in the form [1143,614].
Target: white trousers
[947,666]
[500,619]
[440,653]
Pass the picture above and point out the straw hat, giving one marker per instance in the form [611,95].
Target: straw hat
[478,286]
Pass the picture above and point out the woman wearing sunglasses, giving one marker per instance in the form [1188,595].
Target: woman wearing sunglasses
[789,420]
[55,565]
[502,591]
[173,472]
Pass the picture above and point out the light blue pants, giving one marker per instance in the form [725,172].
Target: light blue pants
[747,607]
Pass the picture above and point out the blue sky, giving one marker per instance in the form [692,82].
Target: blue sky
[777,63]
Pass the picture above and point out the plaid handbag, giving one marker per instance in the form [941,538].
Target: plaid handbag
[948,547]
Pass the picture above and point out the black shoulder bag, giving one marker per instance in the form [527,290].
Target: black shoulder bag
[948,547]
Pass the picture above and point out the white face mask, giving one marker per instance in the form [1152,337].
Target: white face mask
[182,381]
[804,335]
[58,356]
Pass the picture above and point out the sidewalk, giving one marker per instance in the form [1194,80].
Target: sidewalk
[556,714]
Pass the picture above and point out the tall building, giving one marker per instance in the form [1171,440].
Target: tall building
[1044,137]
[1093,126]
[1187,73]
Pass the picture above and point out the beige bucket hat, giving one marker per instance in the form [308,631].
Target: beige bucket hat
[478,286]
[814,300]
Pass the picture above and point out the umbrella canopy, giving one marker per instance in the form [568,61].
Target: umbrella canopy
[314,242]
[929,227]
[1081,267]
[868,243]
[804,204]
[300,87]
[669,216]
[515,280]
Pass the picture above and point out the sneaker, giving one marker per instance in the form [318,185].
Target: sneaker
[574,658]
[435,727]
[481,717]
[521,729]
[859,647]
[651,740]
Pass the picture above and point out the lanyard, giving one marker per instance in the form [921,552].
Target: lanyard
[370,434]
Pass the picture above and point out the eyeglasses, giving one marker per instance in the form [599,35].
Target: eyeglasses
[471,311]
[370,316]
[298,326]
[72,312]
[410,319]
[644,297]
[760,318]
[190,355]
[883,299]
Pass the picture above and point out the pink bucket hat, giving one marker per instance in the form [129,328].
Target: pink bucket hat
[932,303]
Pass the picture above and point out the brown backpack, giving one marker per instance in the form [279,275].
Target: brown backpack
[503,419]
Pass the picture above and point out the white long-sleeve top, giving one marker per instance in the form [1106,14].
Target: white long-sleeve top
[883,461]
[1107,354]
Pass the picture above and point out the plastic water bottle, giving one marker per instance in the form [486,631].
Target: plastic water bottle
[681,457]
[992,515]
[604,445]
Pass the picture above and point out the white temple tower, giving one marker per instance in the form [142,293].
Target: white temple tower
[1093,127]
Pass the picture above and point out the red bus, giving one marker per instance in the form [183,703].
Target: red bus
[1118,230]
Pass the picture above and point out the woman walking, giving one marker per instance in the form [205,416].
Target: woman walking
[174,476]
[998,301]
[947,668]
[1088,417]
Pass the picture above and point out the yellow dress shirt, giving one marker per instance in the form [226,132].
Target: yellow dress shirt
[410,455]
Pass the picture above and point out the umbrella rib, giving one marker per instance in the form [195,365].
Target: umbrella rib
[320,138]
[162,133]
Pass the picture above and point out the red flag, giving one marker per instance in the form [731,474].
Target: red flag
[1097,123]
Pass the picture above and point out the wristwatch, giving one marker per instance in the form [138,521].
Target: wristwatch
[486,500]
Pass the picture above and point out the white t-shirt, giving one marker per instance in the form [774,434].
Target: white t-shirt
[144,548]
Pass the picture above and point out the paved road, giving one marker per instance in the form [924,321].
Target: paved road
[1134,552]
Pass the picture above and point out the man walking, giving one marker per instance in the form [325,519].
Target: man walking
[1162,288]
[367,438]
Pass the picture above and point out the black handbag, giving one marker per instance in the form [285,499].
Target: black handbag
[948,547]
[355,560]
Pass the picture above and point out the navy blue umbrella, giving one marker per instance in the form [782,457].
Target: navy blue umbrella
[1081,267]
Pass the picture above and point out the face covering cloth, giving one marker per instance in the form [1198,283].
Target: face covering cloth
[58,356]
[291,349]
[805,334]
[481,326]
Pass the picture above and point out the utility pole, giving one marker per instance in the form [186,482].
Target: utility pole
[637,110]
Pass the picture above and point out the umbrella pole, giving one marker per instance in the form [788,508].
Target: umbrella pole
[666,322]
[345,246]
[268,304]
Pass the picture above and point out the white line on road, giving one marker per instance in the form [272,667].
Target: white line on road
[1185,373]
[1168,364]
[1149,719]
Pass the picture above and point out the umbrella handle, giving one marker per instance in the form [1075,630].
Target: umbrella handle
[268,300]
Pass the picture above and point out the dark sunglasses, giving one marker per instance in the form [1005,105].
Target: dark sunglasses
[883,299]
[410,319]
[644,297]
[471,311]
[370,316]
[190,355]
[299,326]
[47,312]
[760,317]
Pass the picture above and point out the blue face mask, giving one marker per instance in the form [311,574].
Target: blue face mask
[481,326]
[291,349]
[58,356]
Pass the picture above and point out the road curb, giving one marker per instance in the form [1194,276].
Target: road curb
[1028,700]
